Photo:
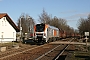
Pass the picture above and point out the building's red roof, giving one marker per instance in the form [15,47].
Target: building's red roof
[9,20]
[2,15]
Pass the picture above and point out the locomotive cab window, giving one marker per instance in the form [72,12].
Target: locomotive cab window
[40,27]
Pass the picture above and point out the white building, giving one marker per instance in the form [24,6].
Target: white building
[8,29]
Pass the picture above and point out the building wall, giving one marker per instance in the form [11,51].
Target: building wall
[7,32]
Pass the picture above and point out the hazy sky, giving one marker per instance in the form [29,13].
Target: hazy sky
[71,10]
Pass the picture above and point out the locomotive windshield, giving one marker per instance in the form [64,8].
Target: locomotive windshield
[40,27]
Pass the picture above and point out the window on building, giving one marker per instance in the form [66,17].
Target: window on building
[4,18]
[5,23]
[2,23]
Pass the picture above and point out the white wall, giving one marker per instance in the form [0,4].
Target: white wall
[7,32]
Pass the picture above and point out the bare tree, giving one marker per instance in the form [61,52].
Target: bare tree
[27,23]
[84,25]
[44,17]
[55,22]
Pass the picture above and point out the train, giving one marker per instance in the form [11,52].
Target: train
[44,33]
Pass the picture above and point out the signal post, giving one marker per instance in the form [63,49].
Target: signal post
[86,34]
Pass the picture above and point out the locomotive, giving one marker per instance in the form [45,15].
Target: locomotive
[45,33]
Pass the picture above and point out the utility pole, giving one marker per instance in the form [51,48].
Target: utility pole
[30,25]
[20,30]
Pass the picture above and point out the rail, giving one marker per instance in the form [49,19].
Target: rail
[47,52]
[63,50]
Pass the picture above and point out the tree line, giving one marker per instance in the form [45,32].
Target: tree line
[84,25]
[27,23]
[55,21]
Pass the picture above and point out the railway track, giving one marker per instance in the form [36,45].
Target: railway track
[43,52]
[54,53]
[50,55]
[57,57]
[13,51]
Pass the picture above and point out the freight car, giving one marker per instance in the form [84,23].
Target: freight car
[62,34]
[44,33]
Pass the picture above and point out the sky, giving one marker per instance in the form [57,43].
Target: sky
[70,10]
